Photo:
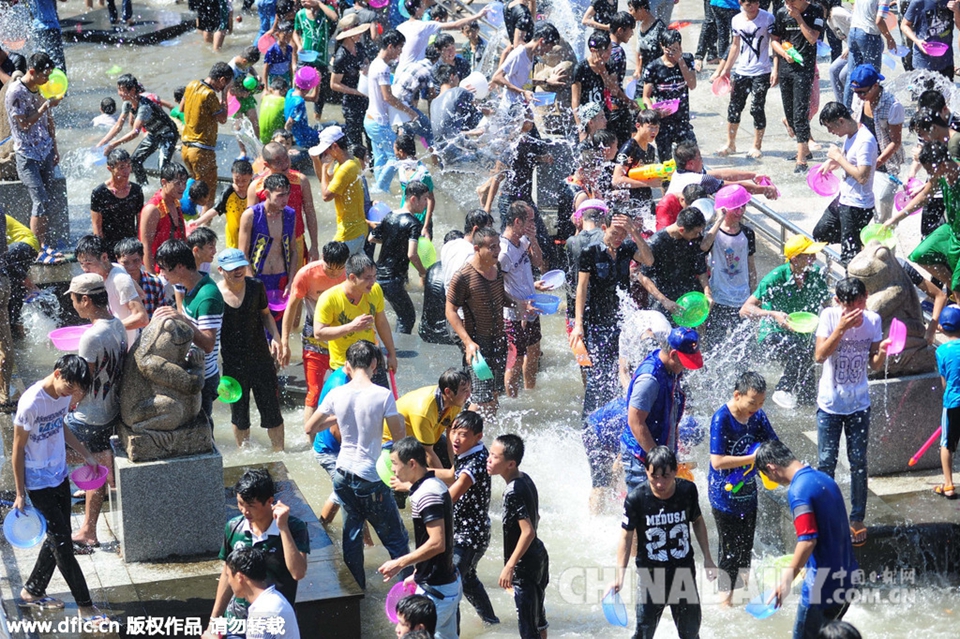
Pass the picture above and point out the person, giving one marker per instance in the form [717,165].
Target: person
[447,48]
[416,613]
[267,236]
[599,14]
[271,117]
[124,297]
[418,32]
[661,512]
[591,78]
[40,472]
[309,283]
[233,201]
[265,525]
[849,343]
[246,357]
[858,159]
[526,561]
[823,541]
[750,69]
[281,58]
[679,264]
[106,119]
[34,139]
[409,170]
[799,24]
[204,107]
[143,112]
[737,428]
[432,513]
[839,630]
[799,285]
[349,59]
[311,32]
[295,116]
[342,185]
[865,40]
[246,571]
[429,412]
[927,22]
[671,77]
[475,46]
[635,152]
[648,30]
[398,235]
[948,365]
[690,170]
[129,252]
[162,218]
[377,123]
[455,253]
[202,306]
[514,72]
[410,83]
[623,114]
[115,205]
[359,409]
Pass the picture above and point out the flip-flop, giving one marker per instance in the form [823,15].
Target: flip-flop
[858,536]
[43,603]
[84,549]
[942,489]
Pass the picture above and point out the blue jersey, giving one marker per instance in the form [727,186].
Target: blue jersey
[730,437]
[948,365]
[325,442]
[657,391]
[295,108]
[816,504]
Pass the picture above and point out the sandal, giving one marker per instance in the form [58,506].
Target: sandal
[43,603]
[49,255]
[858,535]
[942,490]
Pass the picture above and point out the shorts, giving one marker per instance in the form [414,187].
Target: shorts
[267,393]
[329,463]
[208,15]
[950,423]
[315,367]
[520,337]
[95,438]
[202,165]
[495,353]
[735,532]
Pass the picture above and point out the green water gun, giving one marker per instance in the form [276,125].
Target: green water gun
[792,53]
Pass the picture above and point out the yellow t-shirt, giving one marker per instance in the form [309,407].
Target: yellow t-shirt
[346,184]
[334,309]
[201,105]
[420,411]
[17,232]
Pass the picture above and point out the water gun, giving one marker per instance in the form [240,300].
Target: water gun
[739,476]
[792,53]
[662,171]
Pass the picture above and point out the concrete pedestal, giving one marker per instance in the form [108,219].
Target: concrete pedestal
[169,507]
[904,413]
[16,203]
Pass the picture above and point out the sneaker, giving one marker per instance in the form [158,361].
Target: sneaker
[783,399]
[801,169]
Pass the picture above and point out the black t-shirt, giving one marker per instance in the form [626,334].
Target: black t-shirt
[617,64]
[521,501]
[663,526]
[676,264]
[395,233]
[604,10]
[430,501]
[648,42]
[592,88]
[152,116]
[119,215]
[787,29]
[433,318]
[349,64]
[471,513]
[607,276]
[454,112]
[632,155]
[519,183]
[518,17]
[668,84]
[242,343]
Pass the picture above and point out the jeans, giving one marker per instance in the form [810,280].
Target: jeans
[126,7]
[446,607]
[395,292]
[722,18]
[842,224]
[328,461]
[865,48]
[207,395]
[810,619]
[57,550]
[839,72]
[634,472]
[37,176]
[857,427]
[267,10]
[795,87]
[420,127]
[382,138]
[743,86]
[466,560]
[150,143]
[370,501]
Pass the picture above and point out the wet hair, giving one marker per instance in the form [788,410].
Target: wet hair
[117,156]
[129,82]
[282,135]
[439,13]
[684,153]
[925,119]
[392,38]
[468,420]
[251,54]
[443,40]
[108,106]
[285,26]
[599,40]
[750,381]
[670,37]
[18,61]
[432,53]
[335,253]
[516,211]
[603,139]
[406,143]
[418,609]
[648,116]
[850,289]
[513,447]
[201,236]
[933,100]
[362,354]
[92,245]
[416,188]
[178,94]
[74,370]
[690,218]
[639,4]
[40,61]
[471,26]
[774,451]
[591,214]
[452,379]
[358,263]
[284,7]
[477,218]
[241,167]
[255,484]
[279,83]
[693,192]
[249,562]
[409,448]
[173,253]
[661,459]
[834,112]
[445,74]
[546,32]
[128,246]
[276,182]
[173,171]
[412,6]
[198,190]
[839,630]
[622,20]
[482,234]
[358,151]
[221,71]
[454,234]
[933,154]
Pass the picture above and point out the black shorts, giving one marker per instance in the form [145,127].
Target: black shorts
[735,548]
[208,15]
[267,393]
[95,438]
[520,336]
[950,424]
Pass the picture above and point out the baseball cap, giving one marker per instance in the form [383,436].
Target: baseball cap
[686,342]
[950,319]
[801,244]
[87,284]
[230,259]
[328,136]
[865,76]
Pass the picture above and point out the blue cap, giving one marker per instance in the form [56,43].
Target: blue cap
[686,342]
[865,76]
[950,319]
[230,259]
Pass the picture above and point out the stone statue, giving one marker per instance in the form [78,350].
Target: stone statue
[160,394]
[891,294]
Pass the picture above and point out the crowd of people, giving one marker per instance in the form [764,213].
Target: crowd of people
[641,222]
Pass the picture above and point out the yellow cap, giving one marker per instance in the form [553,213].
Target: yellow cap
[801,244]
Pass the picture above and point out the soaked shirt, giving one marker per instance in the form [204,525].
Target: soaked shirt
[663,525]
[471,513]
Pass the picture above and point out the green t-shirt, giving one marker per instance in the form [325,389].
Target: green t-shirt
[204,307]
[271,116]
[314,33]
[778,291]
[237,534]
[409,173]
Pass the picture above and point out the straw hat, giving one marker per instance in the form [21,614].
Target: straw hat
[349,26]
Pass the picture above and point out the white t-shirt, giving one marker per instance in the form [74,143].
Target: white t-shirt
[104,346]
[860,150]
[865,15]
[378,109]
[517,273]
[360,411]
[121,290]
[418,34]
[843,384]
[753,59]
[729,268]
[272,617]
[45,455]
[453,256]
[516,68]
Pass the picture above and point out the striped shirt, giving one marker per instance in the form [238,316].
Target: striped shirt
[203,305]
[481,300]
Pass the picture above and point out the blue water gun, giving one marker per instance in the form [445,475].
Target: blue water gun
[739,476]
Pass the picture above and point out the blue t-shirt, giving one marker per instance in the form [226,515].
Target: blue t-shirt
[948,365]
[657,391]
[932,21]
[325,442]
[279,59]
[295,107]
[187,205]
[730,437]
[816,504]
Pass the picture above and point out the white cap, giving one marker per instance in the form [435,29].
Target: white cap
[328,136]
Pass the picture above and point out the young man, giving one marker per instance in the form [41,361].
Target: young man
[679,264]
[526,562]
[265,524]
[233,201]
[268,236]
[103,346]
[428,413]
[246,572]
[823,540]
[432,513]
[162,218]
[203,242]
[455,253]
[129,252]
[670,77]
[124,298]
[342,185]
[40,469]
[398,235]
[858,160]
[419,32]
[849,342]
[514,73]
[204,108]
[635,152]
[661,511]
[931,21]
[377,124]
